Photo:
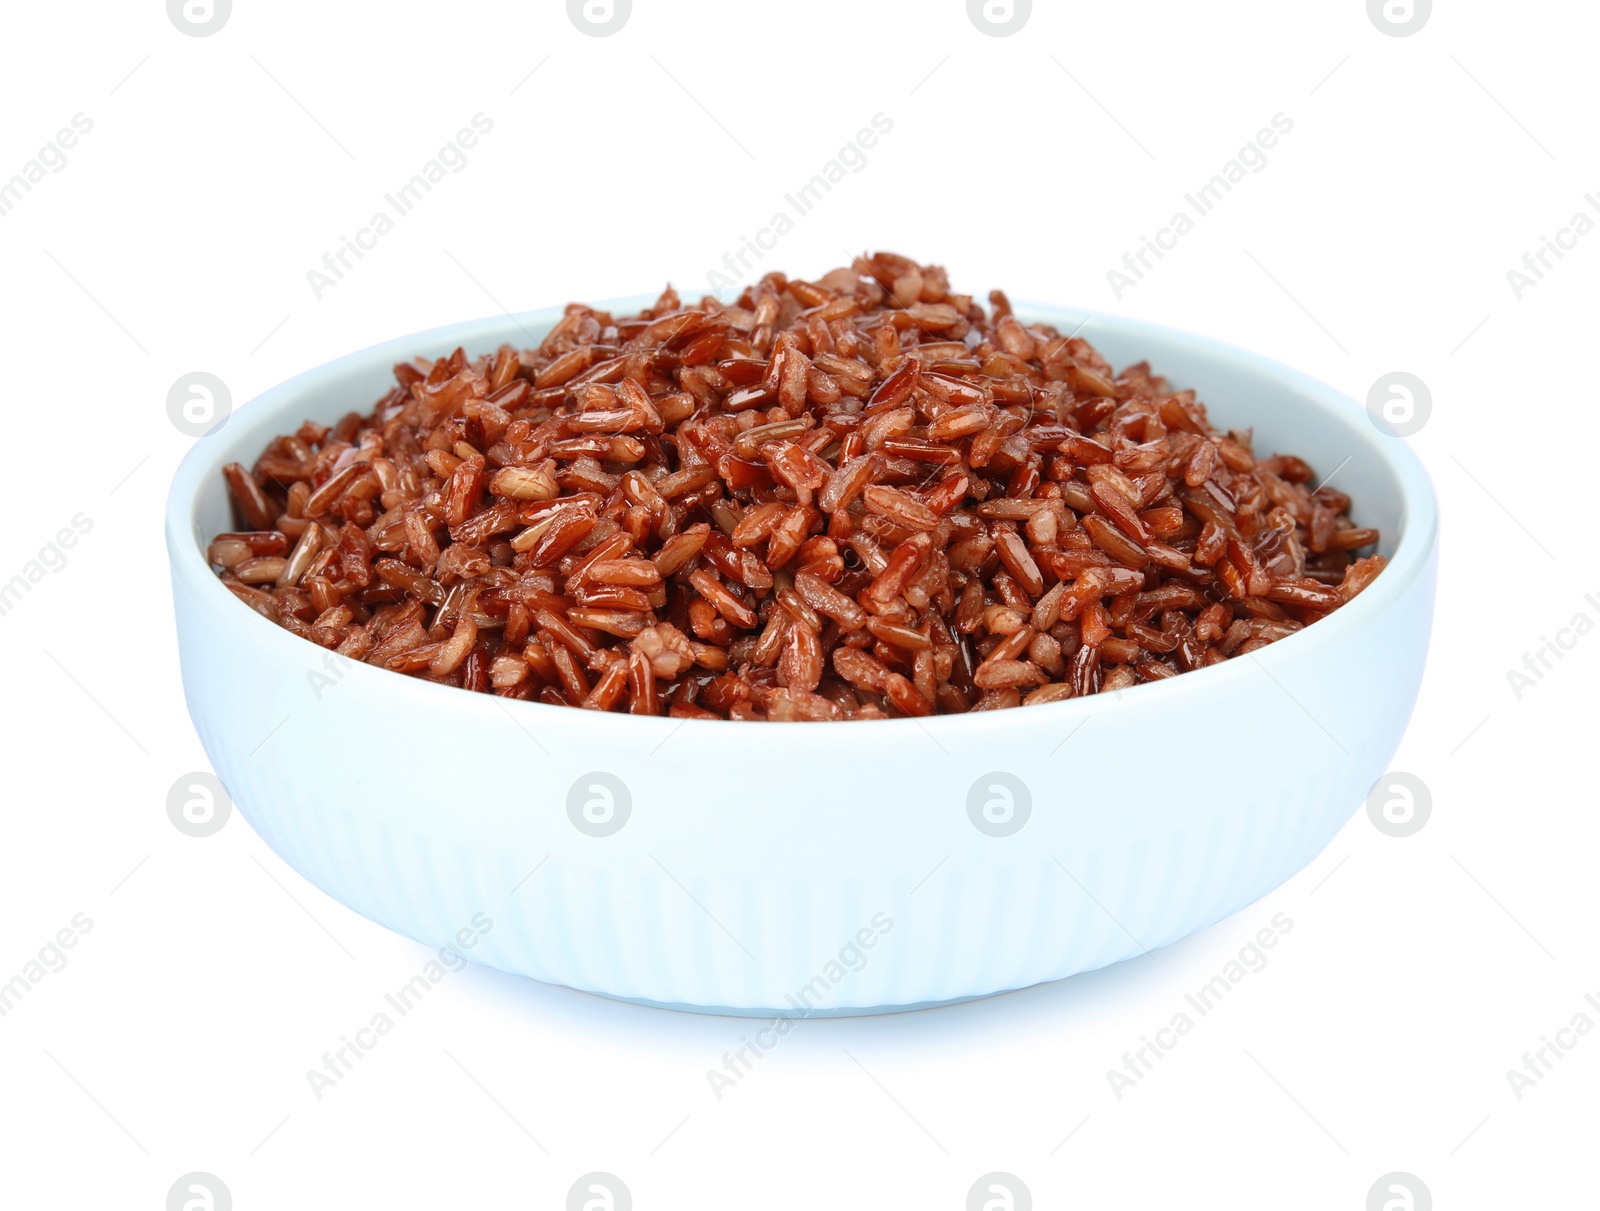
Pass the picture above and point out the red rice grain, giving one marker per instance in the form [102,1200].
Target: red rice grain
[855,498]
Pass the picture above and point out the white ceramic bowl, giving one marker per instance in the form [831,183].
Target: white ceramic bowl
[829,868]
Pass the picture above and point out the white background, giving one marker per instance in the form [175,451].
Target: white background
[177,238]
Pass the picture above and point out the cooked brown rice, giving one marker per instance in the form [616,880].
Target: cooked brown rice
[853,498]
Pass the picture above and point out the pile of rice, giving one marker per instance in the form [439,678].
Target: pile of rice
[861,497]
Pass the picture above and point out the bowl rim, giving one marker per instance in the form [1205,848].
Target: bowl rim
[1418,541]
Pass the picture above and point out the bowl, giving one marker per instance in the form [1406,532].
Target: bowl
[813,868]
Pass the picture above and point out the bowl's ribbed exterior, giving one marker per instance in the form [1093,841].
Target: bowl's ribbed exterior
[966,932]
